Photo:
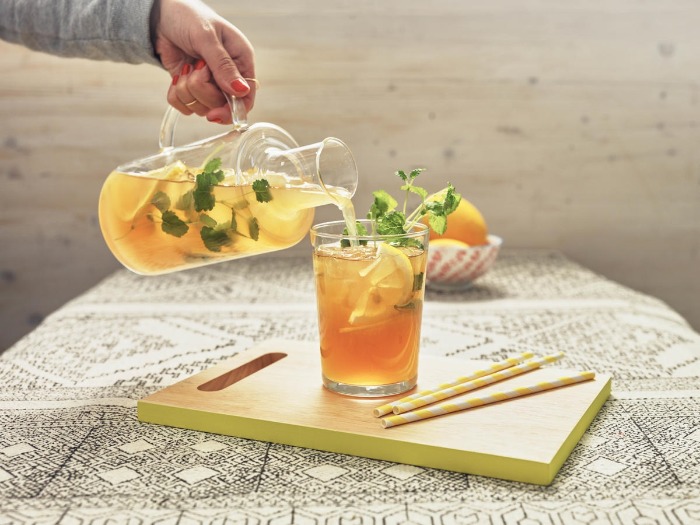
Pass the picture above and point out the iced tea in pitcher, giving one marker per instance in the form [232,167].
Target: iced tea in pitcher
[182,217]
[249,191]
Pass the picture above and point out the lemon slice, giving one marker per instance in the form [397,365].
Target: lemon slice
[177,171]
[448,242]
[385,282]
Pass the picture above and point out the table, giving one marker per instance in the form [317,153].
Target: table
[72,450]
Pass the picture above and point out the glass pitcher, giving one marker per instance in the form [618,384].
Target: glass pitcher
[246,192]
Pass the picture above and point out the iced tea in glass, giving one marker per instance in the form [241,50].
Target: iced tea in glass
[369,292]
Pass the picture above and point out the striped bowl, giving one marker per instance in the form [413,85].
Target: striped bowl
[456,268]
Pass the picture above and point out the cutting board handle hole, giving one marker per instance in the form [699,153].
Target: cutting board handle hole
[243,371]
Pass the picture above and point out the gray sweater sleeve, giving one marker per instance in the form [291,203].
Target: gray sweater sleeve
[115,30]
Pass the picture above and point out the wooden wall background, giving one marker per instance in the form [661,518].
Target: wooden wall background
[571,124]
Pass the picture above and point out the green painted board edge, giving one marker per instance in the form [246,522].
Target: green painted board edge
[577,433]
[373,447]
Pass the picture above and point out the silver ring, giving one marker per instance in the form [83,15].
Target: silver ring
[191,103]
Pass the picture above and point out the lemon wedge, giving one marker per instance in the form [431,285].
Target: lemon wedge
[385,282]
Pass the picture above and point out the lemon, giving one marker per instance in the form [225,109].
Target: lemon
[176,172]
[448,242]
[385,282]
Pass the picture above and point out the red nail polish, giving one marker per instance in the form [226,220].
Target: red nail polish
[217,120]
[200,64]
[175,79]
[240,86]
[186,69]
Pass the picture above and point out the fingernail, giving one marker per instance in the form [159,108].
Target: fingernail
[240,86]
[200,64]
[175,79]
[186,69]
[216,120]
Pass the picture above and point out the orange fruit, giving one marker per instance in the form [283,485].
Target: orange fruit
[465,224]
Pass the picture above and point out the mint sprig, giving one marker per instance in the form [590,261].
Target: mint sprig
[387,220]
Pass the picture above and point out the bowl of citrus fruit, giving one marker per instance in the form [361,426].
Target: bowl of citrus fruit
[464,252]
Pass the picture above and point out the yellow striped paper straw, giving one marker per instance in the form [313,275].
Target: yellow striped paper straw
[495,367]
[461,388]
[474,401]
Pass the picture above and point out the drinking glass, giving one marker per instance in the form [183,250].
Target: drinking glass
[369,291]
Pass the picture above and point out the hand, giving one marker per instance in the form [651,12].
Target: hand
[206,56]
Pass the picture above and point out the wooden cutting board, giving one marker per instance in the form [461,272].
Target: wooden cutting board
[273,392]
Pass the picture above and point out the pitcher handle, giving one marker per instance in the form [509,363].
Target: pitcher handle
[166,139]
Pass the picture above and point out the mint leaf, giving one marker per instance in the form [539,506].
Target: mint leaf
[173,225]
[213,164]
[254,228]
[422,192]
[262,190]
[451,200]
[234,223]
[415,173]
[213,168]
[391,224]
[203,198]
[418,281]
[211,175]
[383,203]
[161,201]
[437,223]
[361,230]
[206,220]
[214,239]
[438,210]
[412,175]
[185,201]
[402,175]
[436,207]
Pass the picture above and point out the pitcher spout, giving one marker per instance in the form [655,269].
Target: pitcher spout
[329,165]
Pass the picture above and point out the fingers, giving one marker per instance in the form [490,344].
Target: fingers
[220,115]
[246,89]
[178,96]
[200,85]
[193,91]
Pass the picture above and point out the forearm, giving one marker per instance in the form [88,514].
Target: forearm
[115,30]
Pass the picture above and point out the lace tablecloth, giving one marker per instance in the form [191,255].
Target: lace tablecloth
[73,451]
